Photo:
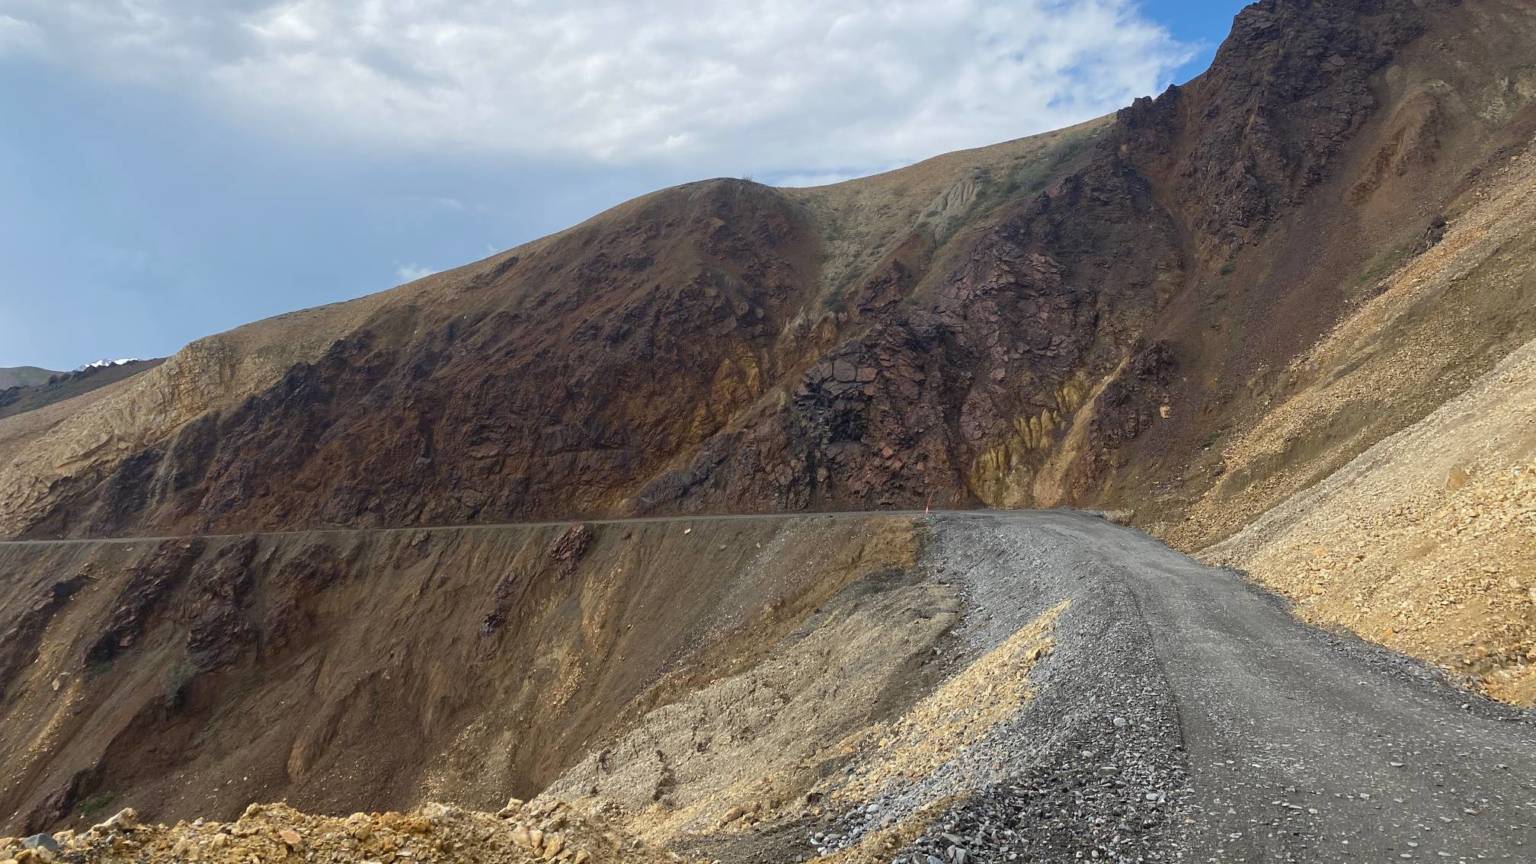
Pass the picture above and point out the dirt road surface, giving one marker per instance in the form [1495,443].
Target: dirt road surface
[1305,745]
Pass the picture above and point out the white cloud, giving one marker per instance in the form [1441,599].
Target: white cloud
[434,202]
[19,37]
[412,272]
[806,86]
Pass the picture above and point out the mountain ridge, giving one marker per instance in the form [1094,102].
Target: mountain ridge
[1282,317]
[1275,120]
[1119,315]
[24,376]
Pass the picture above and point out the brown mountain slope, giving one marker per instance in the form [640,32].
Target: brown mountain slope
[1004,326]
[356,669]
[1283,315]
[1425,541]
[1193,312]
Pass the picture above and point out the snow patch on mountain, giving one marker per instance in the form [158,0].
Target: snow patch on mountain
[101,364]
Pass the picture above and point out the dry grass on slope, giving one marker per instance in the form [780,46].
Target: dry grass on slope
[1427,541]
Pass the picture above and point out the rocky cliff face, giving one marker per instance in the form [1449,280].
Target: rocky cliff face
[1067,320]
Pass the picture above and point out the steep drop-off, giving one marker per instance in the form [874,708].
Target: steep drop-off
[352,669]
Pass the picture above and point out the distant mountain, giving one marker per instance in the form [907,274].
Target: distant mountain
[58,386]
[24,376]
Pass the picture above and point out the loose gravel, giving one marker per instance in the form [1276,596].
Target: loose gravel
[1183,714]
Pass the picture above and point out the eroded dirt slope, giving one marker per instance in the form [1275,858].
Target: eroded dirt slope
[1422,540]
[1427,541]
[192,676]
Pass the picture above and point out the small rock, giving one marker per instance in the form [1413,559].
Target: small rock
[122,820]
[40,841]
[290,838]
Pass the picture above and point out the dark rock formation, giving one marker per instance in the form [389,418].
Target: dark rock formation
[693,351]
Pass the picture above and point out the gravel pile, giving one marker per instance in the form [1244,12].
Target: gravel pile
[1092,768]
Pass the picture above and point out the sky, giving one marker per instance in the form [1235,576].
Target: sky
[174,168]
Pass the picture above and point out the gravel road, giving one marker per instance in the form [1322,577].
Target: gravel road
[1186,715]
